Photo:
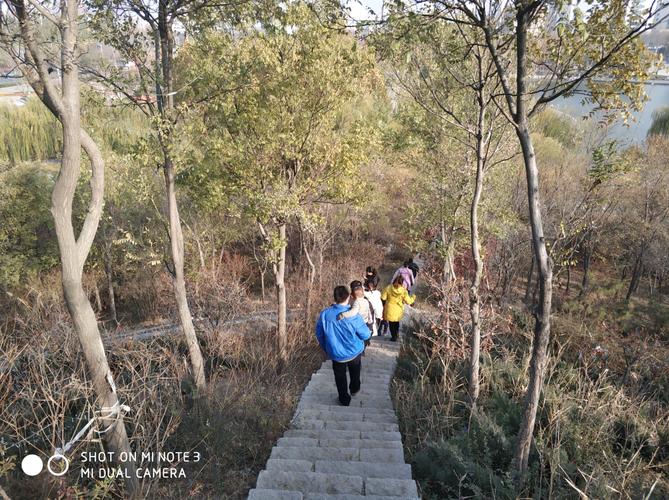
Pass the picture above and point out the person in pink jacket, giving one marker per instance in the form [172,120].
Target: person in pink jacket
[407,275]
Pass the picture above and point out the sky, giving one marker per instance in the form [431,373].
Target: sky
[359,8]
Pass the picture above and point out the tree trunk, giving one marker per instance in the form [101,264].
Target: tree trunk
[280,274]
[310,284]
[474,300]
[321,260]
[98,300]
[74,251]
[262,285]
[449,244]
[544,265]
[528,284]
[165,86]
[543,316]
[178,281]
[109,274]
[636,275]
[566,290]
[585,282]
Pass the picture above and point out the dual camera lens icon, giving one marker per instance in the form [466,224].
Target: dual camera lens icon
[33,465]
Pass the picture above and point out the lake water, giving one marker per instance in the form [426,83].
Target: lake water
[7,81]
[658,95]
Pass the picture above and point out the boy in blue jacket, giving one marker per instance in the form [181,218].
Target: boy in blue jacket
[343,342]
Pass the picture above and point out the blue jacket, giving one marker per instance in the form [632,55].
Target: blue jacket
[341,340]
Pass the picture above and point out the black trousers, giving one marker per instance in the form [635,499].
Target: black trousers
[394,329]
[343,385]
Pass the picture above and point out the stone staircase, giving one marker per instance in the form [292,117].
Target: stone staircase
[338,452]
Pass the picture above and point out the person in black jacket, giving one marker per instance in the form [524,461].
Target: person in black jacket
[414,267]
[371,276]
[414,270]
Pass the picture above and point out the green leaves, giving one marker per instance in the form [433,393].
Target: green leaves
[282,131]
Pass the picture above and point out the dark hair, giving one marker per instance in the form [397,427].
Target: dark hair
[355,284]
[399,280]
[370,270]
[370,284]
[340,294]
[407,262]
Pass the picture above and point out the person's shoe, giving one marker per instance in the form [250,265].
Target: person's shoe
[354,393]
[347,403]
[393,339]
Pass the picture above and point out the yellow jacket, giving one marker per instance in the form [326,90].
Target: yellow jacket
[395,298]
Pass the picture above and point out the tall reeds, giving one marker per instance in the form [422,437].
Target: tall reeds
[28,133]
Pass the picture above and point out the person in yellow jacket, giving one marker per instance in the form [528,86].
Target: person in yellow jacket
[394,297]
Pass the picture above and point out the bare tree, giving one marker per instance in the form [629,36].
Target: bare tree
[444,85]
[144,34]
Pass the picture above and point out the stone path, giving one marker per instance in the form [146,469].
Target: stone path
[337,452]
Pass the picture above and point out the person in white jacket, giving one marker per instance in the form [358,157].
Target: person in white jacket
[374,297]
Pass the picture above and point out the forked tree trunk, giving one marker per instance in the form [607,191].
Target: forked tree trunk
[178,280]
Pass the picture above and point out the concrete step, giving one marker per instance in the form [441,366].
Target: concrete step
[314,482]
[341,409]
[366,370]
[391,487]
[360,443]
[314,453]
[329,434]
[336,443]
[382,403]
[329,381]
[369,416]
[325,496]
[265,494]
[367,387]
[314,424]
[364,374]
[364,469]
[336,434]
[354,454]
[330,391]
[289,465]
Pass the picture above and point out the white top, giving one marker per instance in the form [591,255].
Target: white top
[374,297]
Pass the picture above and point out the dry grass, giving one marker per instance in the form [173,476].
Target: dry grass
[46,397]
[603,422]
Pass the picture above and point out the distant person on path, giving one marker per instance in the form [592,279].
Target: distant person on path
[374,297]
[343,342]
[414,269]
[394,297]
[371,276]
[407,275]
